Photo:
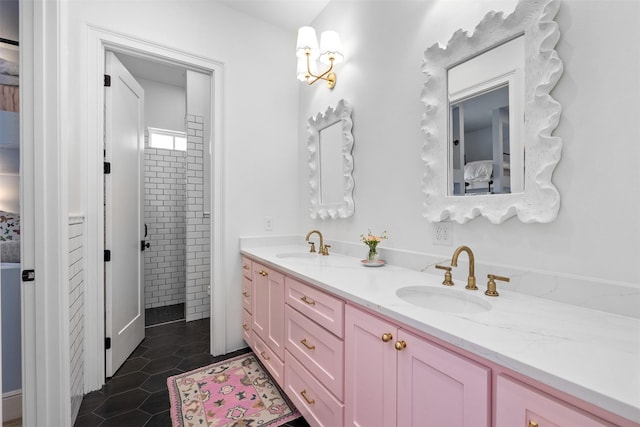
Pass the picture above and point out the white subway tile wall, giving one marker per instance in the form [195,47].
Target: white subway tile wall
[198,226]
[164,206]
[76,313]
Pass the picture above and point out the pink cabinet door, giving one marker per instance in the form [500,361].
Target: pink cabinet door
[439,388]
[268,307]
[519,405]
[370,370]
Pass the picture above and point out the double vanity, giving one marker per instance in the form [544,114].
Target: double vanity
[389,346]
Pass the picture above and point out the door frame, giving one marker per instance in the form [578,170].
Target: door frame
[99,41]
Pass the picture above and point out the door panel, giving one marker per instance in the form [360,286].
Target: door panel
[124,145]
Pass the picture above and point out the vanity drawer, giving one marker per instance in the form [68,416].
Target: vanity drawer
[246,267]
[246,327]
[316,404]
[246,294]
[268,359]
[318,350]
[519,405]
[324,309]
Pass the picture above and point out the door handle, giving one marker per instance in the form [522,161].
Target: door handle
[144,245]
[145,230]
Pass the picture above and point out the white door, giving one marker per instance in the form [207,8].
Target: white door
[124,146]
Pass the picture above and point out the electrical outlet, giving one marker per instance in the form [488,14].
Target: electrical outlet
[268,223]
[442,234]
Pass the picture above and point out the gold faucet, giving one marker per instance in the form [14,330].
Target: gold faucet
[471,281]
[324,249]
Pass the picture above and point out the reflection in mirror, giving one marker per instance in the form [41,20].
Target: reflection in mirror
[510,57]
[330,170]
[480,130]
[485,97]
[330,163]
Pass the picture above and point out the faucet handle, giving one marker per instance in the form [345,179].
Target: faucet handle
[325,250]
[491,284]
[313,247]
[447,275]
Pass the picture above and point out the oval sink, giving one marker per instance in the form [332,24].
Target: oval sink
[297,255]
[445,300]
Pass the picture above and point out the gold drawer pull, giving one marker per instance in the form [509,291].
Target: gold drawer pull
[245,326]
[401,345]
[304,343]
[263,273]
[264,356]
[308,300]
[533,423]
[387,337]
[246,267]
[303,393]
[246,294]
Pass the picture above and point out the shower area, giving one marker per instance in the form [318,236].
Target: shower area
[176,204]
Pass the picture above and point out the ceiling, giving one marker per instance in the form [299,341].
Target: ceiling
[288,15]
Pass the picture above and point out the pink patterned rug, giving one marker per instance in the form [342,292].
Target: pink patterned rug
[236,392]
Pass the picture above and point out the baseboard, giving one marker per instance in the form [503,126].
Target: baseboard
[12,405]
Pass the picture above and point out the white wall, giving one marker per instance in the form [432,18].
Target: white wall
[164,105]
[598,226]
[259,117]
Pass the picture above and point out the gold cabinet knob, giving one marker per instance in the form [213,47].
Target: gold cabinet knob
[387,337]
[401,345]
[264,355]
[263,273]
[246,294]
[533,423]
[245,326]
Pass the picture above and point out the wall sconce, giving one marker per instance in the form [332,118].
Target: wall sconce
[308,52]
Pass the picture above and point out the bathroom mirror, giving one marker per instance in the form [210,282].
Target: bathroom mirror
[330,162]
[504,71]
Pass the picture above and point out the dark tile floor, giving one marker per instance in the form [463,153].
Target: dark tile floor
[137,394]
[159,315]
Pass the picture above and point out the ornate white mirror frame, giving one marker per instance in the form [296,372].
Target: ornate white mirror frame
[338,116]
[540,200]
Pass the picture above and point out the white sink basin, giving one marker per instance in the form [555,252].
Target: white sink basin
[297,255]
[443,299]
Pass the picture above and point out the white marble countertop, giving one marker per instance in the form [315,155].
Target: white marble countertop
[590,354]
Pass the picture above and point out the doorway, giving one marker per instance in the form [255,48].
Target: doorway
[101,41]
[165,183]
[175,138]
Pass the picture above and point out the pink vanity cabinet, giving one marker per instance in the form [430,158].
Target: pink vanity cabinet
[246,301]
[520,405]
[267,318]
[344,365]
[396,378]
[314,353]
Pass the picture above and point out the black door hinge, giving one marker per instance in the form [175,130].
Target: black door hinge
[107,255]
[28,275]
[107,343]
[107,168]
[107,80]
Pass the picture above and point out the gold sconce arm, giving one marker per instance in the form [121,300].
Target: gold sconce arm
[328,75]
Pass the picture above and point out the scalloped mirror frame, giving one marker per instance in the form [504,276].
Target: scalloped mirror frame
[540,200]
[340,114]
